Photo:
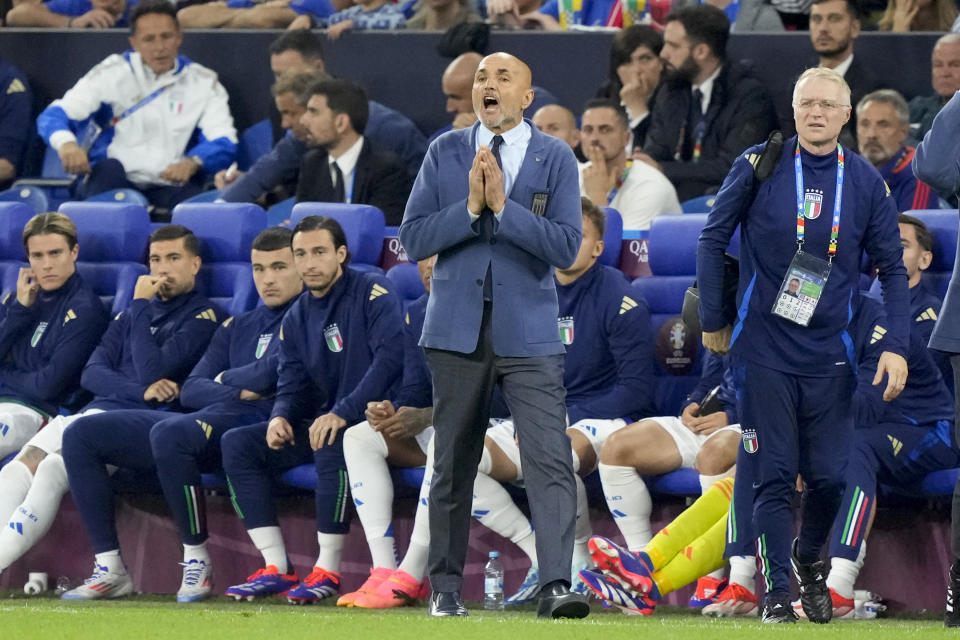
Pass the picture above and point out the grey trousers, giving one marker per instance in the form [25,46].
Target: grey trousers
[463,385]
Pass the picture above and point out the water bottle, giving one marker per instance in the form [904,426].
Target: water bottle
[493,583]
[63,585]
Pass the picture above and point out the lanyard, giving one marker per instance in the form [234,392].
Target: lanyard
[623,178]
[139,105]
[835,229]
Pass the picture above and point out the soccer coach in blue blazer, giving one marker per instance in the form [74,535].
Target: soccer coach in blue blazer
[499,204]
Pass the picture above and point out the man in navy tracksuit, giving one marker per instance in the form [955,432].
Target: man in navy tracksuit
[794,357]
[341,347]
[231,386]
[47,331]
[135,375]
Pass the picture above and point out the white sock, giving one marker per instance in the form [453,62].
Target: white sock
[32,519]
[843,573]
[269,542]
[495,509]
[415,560]
[629,501]
[15,479]
[742,571]
[331,548]
[582,530]
[718,574]
[196,552]
[708,481]
[365,451]
[111,560]
[486,462]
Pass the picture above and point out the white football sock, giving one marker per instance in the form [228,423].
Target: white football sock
[742,572]
[365,451]
[629,501]
[582,530]
[15,479]
[708,481]
[196,552]
[843,573]
[331,548]
[269,542]
[495,509]
[32,519]
[415,560]
[111,560]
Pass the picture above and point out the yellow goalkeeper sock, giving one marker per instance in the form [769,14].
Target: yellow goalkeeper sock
[703,555]
[691,524]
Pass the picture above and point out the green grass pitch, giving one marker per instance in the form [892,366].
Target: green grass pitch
[159,617]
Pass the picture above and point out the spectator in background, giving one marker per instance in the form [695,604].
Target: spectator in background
[344,166]
[15,104]
[72,14]
[440,15]
[366,14]
[518,14]
[277,171]
[883,122]
[389,128]
[945,78]
[250,14]
[918,15]
[834,25]
[635,189]
[709,109]
[634,75]
[141,111]
[559,122]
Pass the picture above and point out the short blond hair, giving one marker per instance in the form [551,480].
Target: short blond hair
[47,223]
[822,73]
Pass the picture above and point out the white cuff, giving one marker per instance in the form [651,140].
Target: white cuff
[60,138]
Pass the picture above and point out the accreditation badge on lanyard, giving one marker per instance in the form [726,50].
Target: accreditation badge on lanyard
[807,274]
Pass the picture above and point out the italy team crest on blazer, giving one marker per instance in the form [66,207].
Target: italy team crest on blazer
[263,343]
[38,333]
[566,329]
[333,338]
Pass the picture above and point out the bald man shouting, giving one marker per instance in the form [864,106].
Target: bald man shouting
[499,205]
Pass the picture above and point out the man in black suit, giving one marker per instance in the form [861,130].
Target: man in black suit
[343,166]
[834,25]
[727,108]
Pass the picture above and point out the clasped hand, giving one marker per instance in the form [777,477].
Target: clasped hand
[486,183]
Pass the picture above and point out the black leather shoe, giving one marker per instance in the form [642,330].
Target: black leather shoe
[444,604]
[557,601]
[951,617]
[777,609]
[814,594]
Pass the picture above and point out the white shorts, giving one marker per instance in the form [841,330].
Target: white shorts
[688,443]
[18,423]
[423,438]
[50,438]
[501,432]
[597,431]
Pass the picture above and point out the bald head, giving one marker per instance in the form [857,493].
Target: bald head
[501,91]
[457,82]
[558,122]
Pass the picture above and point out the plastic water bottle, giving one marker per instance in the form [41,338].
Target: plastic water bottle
[493,583]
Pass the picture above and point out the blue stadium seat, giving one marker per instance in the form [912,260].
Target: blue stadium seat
[256,140]
[612,239]
[9,273]
[13,217]
[113,248]
[363,225]
[406,279]
[226,231]
[682,482]
[673,244]
[126,196]
[700,204]
[206,196]
[279,214]
[33,197]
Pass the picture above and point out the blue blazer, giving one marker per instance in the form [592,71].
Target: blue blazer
[937,162]
[521,249]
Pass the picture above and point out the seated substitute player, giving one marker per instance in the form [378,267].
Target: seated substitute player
[395,433]
[142,359]
[703,440]
[341,347]
[639,577]
[232,385]
[47,331]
